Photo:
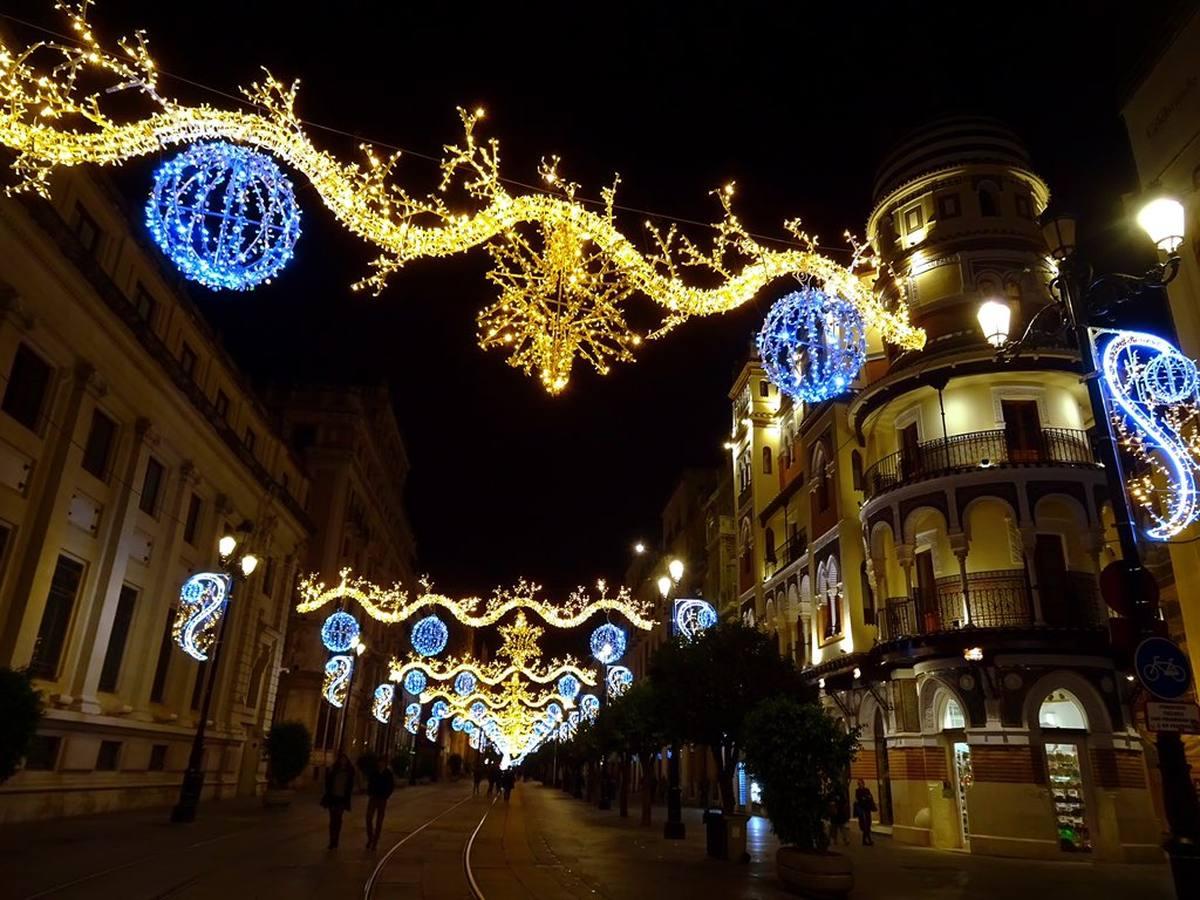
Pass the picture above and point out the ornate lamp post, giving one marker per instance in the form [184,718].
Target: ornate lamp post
[1080,294]
[674,827]
[193,776]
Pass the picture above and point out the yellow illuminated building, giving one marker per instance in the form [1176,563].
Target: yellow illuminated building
[926,547]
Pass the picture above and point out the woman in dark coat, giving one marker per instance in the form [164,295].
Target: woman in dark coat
[339,785]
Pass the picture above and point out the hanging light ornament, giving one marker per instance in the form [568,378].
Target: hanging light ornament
[429,636]
[694,616]
[568,687]
[608,643]
[225,215]
[812,345]
[202,601]
[339,632]
[619,679]
[381,708]
[414,682]
[464,684]
[589,706]
[412,718]
[337,679]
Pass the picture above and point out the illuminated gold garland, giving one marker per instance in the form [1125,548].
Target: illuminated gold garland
[563,270]
[393,604]
[492,673]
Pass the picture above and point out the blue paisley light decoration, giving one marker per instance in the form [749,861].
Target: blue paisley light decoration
[339,632]
[202,602]
[812,345]
[694,616]
[224,214]
[412,718]
[429,636]
[589,706]
[1153,390]
[608,643]
[431,728]
[337,679]
[618,679]
[381,707]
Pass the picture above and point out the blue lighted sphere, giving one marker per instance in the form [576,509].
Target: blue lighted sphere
[440,709]
[464,684]
[554,711]
[1170,378]
[414,682]
[339,631]
[457,723]
[568,686]
[812,345]
[225,215]
[478,710]
[608,643]
[429,636]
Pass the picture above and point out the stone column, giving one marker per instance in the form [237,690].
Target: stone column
[1029,545]
[958,544]
[49,496]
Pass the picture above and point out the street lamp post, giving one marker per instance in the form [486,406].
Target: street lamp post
[1077,289]
[358,647]
[193,776]
[673,828]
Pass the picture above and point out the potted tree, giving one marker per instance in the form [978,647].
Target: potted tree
[289,746]
[800,756]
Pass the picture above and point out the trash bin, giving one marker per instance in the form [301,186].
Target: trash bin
[735,838]
[716,840]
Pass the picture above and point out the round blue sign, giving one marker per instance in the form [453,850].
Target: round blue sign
[1162,668]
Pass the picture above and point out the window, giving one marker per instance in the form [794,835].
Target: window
[764,388]
[187,359]
[1022,430]
[164,661]
[56,618]
[109,756]
[152,483]
[766,456]
[952,717]
[98,450]
[158,758]
[250,439]
[25,393]
[268,579]
[145,306]
[987,203]
[192,523]
[42,754]
[769,544]
[86,229]
[913,220]
[222,404]
[1024,207]
[1062,709]
[117,638]
[948,206]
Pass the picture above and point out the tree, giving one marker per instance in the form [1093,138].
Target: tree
[20,710]
[632,726]
[289,746]
[709,684]
[799,755]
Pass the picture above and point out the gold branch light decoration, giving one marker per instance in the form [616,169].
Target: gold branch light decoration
[489,673]
[563,270]
[393,604]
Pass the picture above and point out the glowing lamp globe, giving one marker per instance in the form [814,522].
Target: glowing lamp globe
[568,686]
[339,631]
[994,318]
[608,644]
[429,636]
[225,215]
[1163,219]
[812,345]
[464,684]
[414,682]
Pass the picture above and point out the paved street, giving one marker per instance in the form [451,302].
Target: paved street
[543,845]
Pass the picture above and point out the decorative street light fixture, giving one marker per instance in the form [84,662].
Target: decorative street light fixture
[193,776]
[994,317]
[1079,295]
[664,586]
[675,567]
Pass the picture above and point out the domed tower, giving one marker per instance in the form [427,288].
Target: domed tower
[993,716]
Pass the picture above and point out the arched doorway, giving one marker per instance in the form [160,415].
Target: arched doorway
[953,726]
[882,771]
[1064,726]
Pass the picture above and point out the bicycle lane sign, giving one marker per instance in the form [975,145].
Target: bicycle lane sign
[1162,668]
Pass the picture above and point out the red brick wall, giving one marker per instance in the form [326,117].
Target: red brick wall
[1118,768]
[864,765]
[1014,765]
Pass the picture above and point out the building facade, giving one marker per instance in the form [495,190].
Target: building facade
[927,547]
[351,446]
[129,444]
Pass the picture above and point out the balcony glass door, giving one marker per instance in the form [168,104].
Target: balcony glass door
[910,452]
[1050,567]
[927,605]
[1022,430]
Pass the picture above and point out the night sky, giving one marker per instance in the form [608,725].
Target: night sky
[795,101]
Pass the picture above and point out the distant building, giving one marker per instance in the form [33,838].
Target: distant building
[351,447]
[129,444]
[927,546]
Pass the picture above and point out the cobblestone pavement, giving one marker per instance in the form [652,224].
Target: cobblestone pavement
[542,845]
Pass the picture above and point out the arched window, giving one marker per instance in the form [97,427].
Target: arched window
[987,202]
[769,543]
[952,716]
[833,581]
[820,479]
[766,454]
[1062,709]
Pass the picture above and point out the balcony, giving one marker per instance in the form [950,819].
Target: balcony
[977,450]
[781,557]
[995,599]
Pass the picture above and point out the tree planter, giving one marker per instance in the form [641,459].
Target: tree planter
[823,876]
[278,798]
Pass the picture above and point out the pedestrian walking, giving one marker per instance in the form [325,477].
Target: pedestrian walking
[339,785]
[864,805]
[839,816]
[477,777]
[507,782]
[380,784]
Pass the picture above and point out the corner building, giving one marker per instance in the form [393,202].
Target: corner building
[927,546]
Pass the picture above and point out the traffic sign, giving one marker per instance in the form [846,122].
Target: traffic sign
[1122,588]
[1162,668]
[1182,718]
